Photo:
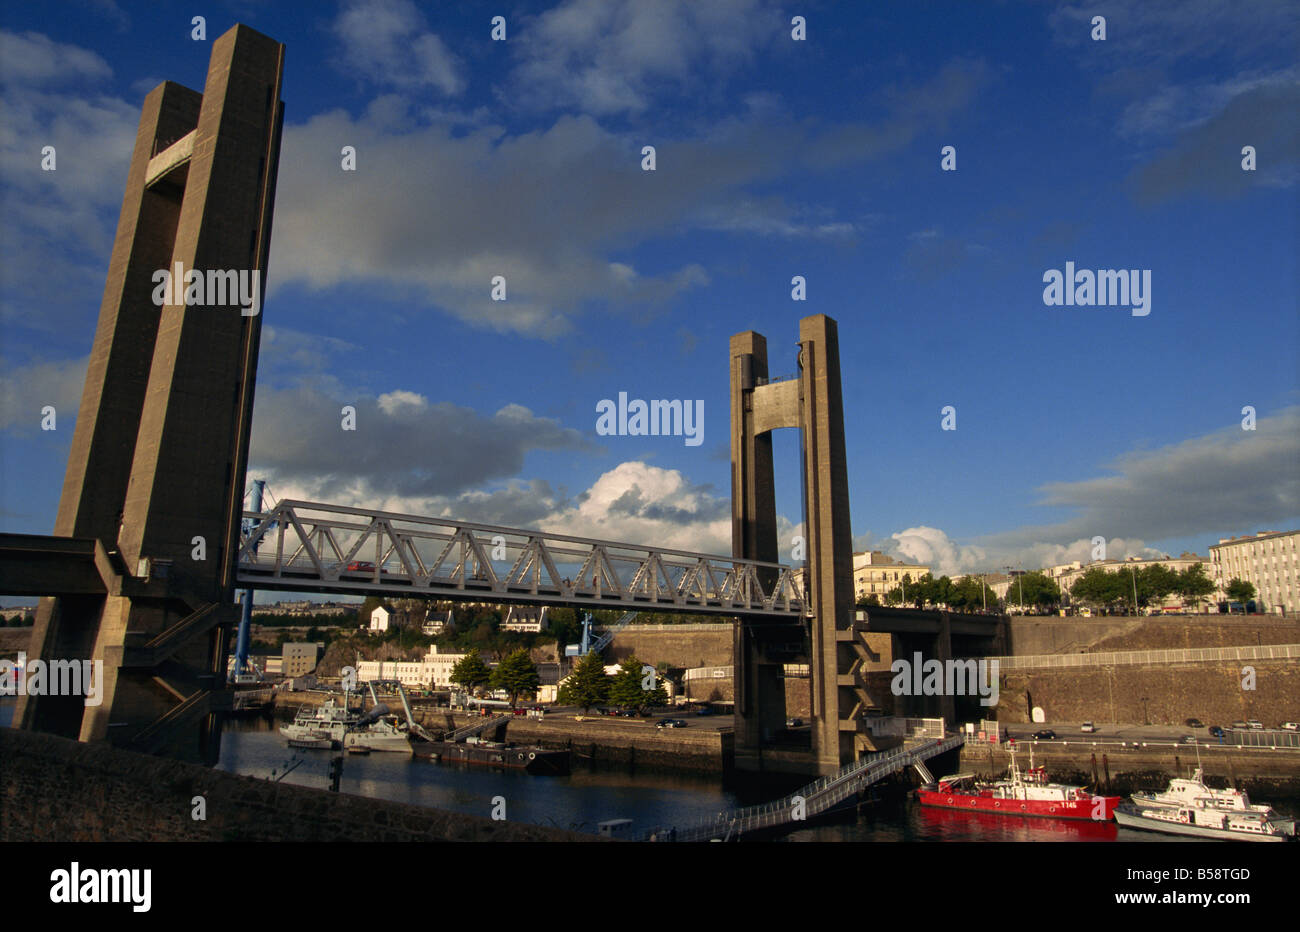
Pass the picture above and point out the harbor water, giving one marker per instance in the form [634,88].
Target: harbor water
[589,795]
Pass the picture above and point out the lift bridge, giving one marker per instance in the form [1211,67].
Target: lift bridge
[148,546]
[312,547]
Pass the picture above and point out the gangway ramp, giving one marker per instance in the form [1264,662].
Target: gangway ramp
[815,798]
[469,731]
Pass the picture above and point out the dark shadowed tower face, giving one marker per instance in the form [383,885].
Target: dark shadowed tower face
[156,470]
[813,404]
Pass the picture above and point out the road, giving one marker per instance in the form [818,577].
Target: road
[1107,733]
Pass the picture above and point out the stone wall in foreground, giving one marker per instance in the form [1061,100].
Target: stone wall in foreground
[56,789]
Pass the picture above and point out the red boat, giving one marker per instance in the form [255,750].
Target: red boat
[1027,794]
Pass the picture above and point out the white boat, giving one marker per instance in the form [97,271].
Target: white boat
[1189,807]
[322,727]
[382,735]
[379,731]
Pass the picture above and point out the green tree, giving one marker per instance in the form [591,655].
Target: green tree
[371,603]
[1097,588]
[972,595]
[1239,590]
[588,685]
[1034,590]
[628,686]
[1155,582]
[470,671]
[1194,585]
[942,592]
[517,675]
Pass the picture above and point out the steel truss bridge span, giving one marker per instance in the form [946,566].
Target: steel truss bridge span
[311,547]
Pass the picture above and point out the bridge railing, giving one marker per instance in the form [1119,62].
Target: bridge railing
[326,547]
[818,796]
[1129,657]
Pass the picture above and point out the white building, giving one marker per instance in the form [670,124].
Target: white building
[433,671]
[436,623]
[381,619]
[1267,561]
[876,574]
[527,619]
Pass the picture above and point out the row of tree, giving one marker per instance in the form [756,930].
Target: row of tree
[1139,588]
[634,686]
[17,621]
[1098,587]
[970,594]
[516,674]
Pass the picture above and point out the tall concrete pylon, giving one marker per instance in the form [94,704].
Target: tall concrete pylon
[156,469]
[812,403]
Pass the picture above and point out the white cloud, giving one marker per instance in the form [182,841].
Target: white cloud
[33,59]
[404,445]
[387,42]
[25,390]
[613,56]
[58,224]
[392,402]
[553,211]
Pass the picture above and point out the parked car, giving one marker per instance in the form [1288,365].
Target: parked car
[704,710]
[1216,731]
[1088,728]
[627,713]
[1189,739]
[794,723]
[1291,726]
[1045,735]
[1256,724]
[1239,726]
[671,723]
[1194,723]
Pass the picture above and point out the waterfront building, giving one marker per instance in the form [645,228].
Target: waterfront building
[432,671]
[1267,560]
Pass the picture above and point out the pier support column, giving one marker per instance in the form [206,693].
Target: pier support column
[813,404]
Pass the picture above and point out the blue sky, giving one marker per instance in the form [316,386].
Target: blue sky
[775,158]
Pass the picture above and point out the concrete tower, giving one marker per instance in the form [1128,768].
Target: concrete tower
[156,471]
[813,404]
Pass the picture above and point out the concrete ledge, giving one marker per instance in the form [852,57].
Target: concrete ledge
[55,789]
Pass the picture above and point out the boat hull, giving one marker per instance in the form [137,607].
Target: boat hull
[537,761]
[362,740]
[1082,809]
[1134,818]
[318,744]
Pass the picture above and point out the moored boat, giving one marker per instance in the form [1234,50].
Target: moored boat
[534,760]
[1022,794]
[321,727]
[1189,807]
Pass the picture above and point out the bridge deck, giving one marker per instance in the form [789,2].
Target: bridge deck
[310,547]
